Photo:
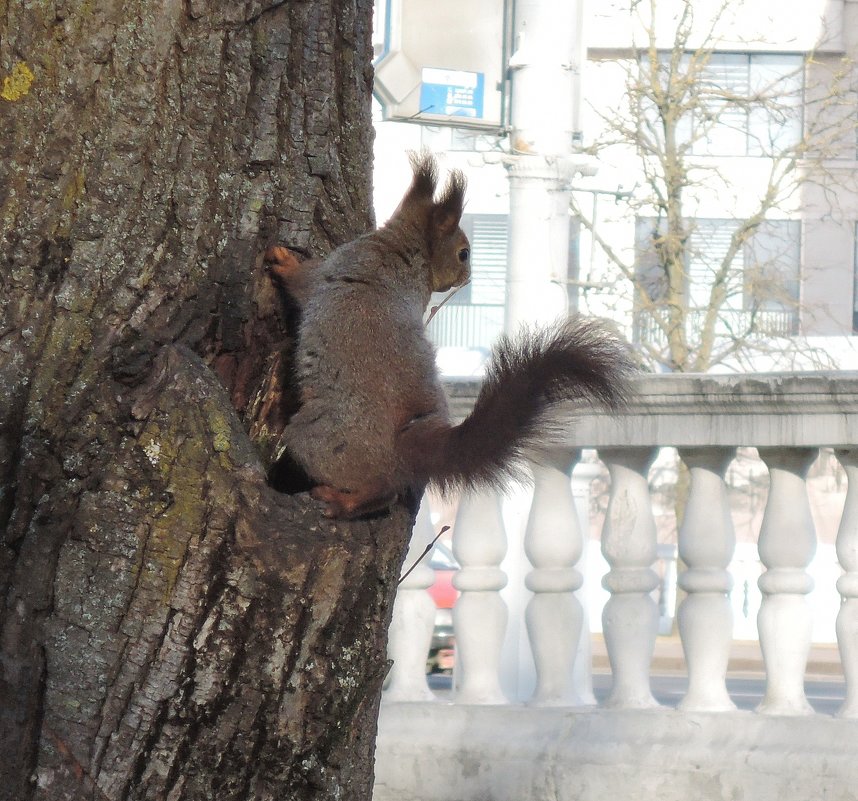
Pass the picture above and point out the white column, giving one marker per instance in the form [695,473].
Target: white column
[706,545]
[480,614]
[413,621]
[538,242]
[847,584]
[787,545]
[544,66]
[630,617]
[553,544]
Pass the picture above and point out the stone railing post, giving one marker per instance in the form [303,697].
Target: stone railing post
[630,617]
[787,544]
[553,544]
[582,477]
[706,545]
[480,614]
[410,633]
[847,584]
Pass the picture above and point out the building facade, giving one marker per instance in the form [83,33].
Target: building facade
[769,205]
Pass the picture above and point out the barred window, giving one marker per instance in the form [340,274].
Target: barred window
[487,234]
[764,276]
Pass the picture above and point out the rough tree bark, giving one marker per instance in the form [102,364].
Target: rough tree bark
[173,628]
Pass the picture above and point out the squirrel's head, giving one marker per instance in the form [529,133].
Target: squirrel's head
[447,247]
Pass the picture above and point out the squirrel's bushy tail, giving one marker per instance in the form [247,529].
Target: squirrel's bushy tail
[521,409]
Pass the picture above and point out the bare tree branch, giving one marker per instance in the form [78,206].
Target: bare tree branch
[680,104]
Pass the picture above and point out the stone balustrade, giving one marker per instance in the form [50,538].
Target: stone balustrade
[483,745]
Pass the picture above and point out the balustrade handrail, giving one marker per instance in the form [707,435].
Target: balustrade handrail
[788,417]
[692,409]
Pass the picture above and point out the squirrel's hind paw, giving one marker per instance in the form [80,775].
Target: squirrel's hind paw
[348,505]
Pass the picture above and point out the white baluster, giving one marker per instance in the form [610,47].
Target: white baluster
[706,545]
[787,545]
[630,617]
[413,620]
[847,585]
[480,614]
[582,477]
[553,544]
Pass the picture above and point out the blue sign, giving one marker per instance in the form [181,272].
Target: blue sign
[452,93]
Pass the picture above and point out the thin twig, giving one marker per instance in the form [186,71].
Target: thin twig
[420,558]
[74,764]
[435,309]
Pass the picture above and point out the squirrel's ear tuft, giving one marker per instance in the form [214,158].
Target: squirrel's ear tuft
[425,180]
[448,210]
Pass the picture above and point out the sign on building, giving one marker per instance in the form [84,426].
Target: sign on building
[441,62]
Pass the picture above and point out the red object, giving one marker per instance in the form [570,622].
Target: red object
[442,650]
[442,590]
[444,564]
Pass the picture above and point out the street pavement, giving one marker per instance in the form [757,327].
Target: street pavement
[824,685]
[824,695]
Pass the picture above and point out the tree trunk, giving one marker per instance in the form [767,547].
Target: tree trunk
[172,627]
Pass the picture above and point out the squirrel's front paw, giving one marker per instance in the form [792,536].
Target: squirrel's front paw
[282,262]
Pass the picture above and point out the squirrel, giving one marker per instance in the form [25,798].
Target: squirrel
[373,422]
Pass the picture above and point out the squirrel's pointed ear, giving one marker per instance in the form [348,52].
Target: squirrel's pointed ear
[448,210]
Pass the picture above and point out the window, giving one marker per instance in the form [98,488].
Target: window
[473,318]
[709,244]
[762,282]
[720,125]
[771,267]
[705,249]
[775,123]
[487,234]
[740,104]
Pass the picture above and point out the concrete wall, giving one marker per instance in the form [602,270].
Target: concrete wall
[439,752]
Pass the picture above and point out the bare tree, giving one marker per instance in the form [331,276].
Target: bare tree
[172,627]
[708,290]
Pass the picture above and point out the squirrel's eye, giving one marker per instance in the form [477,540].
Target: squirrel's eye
[464,254]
